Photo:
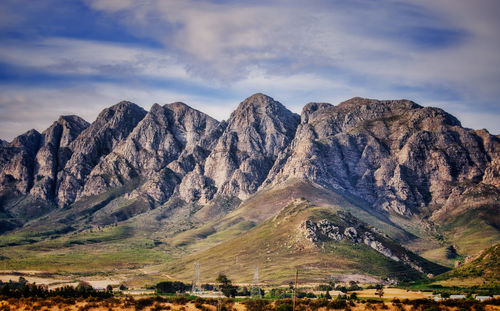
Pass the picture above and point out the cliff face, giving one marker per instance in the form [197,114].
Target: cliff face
[396,155]
[257,131]
[17,161]
[99,139]
[168,144]
[53,154]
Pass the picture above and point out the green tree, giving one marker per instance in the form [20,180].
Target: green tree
[327,295]
[451,252]
[226,286]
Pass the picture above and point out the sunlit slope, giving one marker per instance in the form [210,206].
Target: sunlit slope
[482,270]
[279,246]
[268,202]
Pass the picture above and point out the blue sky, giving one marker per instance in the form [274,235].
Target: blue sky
[77,57]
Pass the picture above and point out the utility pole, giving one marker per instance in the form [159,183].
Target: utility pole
[196,288]
[295,288]
[255,290]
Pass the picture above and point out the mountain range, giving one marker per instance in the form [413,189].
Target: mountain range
[372,188]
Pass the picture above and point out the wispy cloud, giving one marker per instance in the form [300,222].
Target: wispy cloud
[213,54]
[85,57]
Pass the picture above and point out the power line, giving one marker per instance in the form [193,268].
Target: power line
[196,279]
[255,290]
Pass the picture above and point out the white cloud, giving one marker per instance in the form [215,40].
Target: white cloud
[295,51]
[226,41]
[84,57]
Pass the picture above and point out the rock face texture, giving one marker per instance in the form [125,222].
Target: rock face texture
[53,154]
[99,139]
[354,231]
[166,145]
[257,131]
[396,155]
[17,162]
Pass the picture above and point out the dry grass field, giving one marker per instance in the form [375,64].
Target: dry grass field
[394,293]
[182,304]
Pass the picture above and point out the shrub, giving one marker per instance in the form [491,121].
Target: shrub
[256,304]
[284,307]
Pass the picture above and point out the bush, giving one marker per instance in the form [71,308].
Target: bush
[451,252]
[24,289]
[284,307]
[337,304]
[226,286]
[168,287]
[324,287]
[256,304]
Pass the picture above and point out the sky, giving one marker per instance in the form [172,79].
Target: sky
[60,57]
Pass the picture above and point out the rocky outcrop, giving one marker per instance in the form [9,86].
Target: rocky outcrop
[17,162]
[357,233]
[396,155]
[257,131]
[112,126]
[53,154]
[169,143]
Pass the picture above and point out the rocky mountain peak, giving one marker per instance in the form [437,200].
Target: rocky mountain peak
[112,126]
[165,145]
[313,109]
[53,154]
[29,140]
[255,107]
[72,126]
[395,154]
[257,131]
[262,116]
[118,112]
[178,106]
[16,161]
[72,119]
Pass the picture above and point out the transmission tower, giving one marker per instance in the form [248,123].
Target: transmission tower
[255,290]
[196,279]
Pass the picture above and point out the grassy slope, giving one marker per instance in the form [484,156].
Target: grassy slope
[471,224]
[483,270]
[278,247]
[73,240]
[176,229]
[267,203]
[95,251]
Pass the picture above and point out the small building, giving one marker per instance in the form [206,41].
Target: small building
[483,298]
[457,297]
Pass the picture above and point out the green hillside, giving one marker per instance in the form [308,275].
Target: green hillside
[482,270]
[471,223]
[108,235]
[278,247]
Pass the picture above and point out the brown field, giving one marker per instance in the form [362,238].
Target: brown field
[54,281]
[391,293]
[154,304]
